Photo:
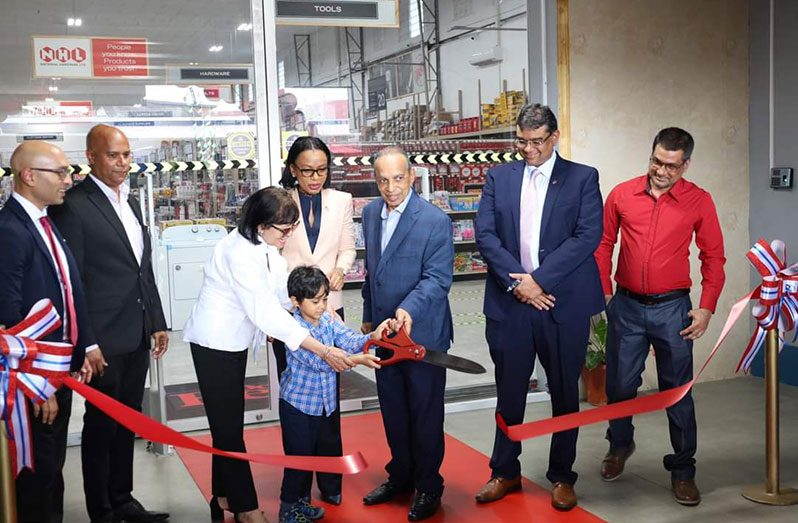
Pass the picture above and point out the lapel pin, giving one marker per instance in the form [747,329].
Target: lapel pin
[554,182]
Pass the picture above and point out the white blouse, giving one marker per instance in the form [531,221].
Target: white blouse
[243,298]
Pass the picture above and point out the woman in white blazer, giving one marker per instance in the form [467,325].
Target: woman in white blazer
[325,237]
[244,299]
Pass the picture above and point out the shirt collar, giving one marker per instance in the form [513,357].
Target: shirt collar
[643,186]
[305,323]
[34,212]
[124,190]
[400,208]
[546,167]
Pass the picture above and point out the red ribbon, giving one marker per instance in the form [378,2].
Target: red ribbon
[649,403]
[151,430]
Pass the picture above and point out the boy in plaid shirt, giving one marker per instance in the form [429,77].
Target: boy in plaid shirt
[308,393]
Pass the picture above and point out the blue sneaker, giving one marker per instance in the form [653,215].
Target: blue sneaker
[292,514]
[309,511]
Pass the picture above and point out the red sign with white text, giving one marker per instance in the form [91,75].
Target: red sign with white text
[120,57]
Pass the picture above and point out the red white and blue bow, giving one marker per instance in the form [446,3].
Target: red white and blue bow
[777,305]
[29,368]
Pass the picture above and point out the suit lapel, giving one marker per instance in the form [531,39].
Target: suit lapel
[515,179]
[14,206]
[555,184]
[304,243]
[100,200]
[373,235]
[406,222]
[326,209]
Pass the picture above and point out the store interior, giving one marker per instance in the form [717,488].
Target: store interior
[208,115]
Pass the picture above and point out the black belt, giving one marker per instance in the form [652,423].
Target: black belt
[653,299]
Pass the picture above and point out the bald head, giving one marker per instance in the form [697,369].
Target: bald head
[41,173]
[108,152]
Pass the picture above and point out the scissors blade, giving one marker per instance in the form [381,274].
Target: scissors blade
[457,363]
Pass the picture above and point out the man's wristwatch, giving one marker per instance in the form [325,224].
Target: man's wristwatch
[513,285]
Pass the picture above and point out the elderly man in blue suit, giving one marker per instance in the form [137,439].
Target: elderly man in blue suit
[539,221]
[409,266]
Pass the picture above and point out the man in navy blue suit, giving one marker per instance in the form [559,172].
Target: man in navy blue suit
[409,266]
[37,264]
[539,222]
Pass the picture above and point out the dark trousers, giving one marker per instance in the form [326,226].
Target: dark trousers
[411,401]
[40,494]
[561,348]
[631,329]
[307,435]
[220,375]
[329,484]
[106,449]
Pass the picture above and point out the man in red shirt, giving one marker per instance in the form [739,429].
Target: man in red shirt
[657,214]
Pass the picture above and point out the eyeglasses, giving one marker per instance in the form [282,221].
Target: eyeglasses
[537,142]
[285,231]
[321,172]
[399,178]
[670,168]
[62,173]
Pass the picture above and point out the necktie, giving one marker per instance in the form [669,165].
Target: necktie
[529,204]
[72,324]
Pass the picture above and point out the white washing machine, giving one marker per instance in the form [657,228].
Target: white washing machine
[183,251]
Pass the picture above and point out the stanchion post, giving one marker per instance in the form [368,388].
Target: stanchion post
[771,493]
[8,495]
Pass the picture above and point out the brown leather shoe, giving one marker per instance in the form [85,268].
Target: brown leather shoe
[563,496]
[497,488]
[685,492]
[614,461]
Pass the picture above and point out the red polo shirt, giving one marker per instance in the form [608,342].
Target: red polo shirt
[656,234]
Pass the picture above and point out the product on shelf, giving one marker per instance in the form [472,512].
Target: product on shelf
[469,262]
[358,204]
[360,240]
[440,199]
[464,202]
[463,230]
[357,272]
[504,109]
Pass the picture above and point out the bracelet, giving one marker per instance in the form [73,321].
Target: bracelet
[327,352]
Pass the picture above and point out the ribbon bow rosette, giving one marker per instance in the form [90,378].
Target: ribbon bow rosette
[777,305]
[29,368]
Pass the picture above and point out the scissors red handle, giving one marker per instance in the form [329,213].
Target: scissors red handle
[400,344]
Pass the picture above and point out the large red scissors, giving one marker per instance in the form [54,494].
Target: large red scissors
[404,348]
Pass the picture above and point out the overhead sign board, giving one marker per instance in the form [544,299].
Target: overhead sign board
[344,13]
[210,74]
[90,57]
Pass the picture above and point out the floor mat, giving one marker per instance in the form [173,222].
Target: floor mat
[464,470]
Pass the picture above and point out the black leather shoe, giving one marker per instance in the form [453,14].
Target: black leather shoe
[384,493]
[133,512]
[424,506]
[332,499]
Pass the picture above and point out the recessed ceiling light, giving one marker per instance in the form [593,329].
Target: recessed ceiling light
[48,99]
[244,27]
[53,88]
[77,22]
[215,48]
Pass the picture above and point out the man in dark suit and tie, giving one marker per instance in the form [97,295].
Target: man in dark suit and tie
[102,222]
[539,221]
[37,264]
[409,267]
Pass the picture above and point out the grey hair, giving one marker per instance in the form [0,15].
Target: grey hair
[535,116]
[388,151]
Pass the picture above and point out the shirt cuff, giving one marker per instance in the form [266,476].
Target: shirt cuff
[91,348]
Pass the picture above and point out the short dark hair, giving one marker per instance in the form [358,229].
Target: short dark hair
[305,282]
[675,139]
[535,116]
[300,145]
[269,206]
